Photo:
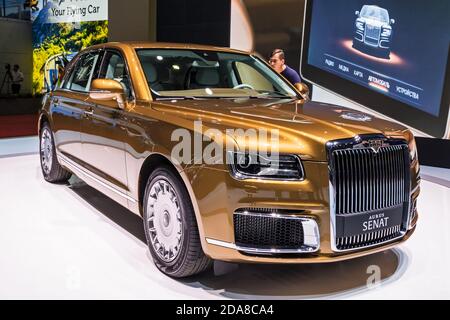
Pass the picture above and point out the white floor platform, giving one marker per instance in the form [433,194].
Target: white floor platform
[19,146]
[71,242]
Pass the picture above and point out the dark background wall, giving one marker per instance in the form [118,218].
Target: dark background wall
[277,24]
[132,20]
[194,21]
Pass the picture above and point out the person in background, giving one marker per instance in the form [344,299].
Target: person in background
[17,79]
[278,63]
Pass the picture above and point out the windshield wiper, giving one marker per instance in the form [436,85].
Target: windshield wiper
[178,98]
[263,95]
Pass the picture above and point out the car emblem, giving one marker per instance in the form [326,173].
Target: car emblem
[354,116]
[375,145]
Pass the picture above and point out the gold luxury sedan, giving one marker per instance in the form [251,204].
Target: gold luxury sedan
[224,159]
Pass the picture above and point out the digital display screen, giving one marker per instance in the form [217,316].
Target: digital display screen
[396,48]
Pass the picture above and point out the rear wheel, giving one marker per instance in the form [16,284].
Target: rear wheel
[51,169]
[170,226]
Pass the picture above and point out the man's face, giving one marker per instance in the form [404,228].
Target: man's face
[15,68]
[277,63]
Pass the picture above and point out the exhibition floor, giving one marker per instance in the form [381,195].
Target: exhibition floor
[71,242]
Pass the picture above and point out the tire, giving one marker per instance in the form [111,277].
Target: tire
[170,226]
[51,169]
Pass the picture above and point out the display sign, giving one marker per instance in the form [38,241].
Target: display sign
[60,11]
[391,49]
[61,28]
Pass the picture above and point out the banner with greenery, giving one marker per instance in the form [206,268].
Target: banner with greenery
[56,43]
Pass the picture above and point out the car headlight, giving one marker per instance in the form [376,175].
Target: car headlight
[386,32]
[360,25]
[255,166]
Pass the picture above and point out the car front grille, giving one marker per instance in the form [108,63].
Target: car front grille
[367,184]
[372,34]
[368,181]
[267,230]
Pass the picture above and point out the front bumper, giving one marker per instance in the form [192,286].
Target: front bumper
[232,255]
[218,196]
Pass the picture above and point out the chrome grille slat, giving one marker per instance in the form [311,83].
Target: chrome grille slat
[349,185]
[366,181]
[390,171]
[370,179]
[379,181]
[341,181]
[384,177]
[360,181]
[401,181]
[395,179]
[394,161]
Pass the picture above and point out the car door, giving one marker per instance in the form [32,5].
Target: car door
[69,105]
[104,130]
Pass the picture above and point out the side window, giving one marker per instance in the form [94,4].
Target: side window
[114,68]
[81,77]
[68,79]
[249,75]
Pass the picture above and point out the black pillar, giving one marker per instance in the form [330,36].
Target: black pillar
[194,21]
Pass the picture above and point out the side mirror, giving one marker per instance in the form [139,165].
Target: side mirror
[392,21]
[303,89]
[357,13]
[108,89]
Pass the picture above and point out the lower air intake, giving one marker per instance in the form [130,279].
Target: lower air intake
[268,230]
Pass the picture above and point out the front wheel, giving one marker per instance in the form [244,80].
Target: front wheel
[51,169]
[170,226]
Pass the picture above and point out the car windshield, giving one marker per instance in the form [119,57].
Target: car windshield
[173,73]
[375,13]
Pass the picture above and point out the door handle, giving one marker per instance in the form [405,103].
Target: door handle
[89,112]
[55,100]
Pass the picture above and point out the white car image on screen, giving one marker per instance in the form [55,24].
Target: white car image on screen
[373,32]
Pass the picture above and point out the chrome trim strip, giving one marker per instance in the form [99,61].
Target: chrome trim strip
[271,215]
[233,246]
[415,189]
[91,175]
[447,130]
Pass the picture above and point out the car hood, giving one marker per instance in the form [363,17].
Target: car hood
[304,128]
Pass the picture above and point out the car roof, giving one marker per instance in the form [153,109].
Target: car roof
[165,45]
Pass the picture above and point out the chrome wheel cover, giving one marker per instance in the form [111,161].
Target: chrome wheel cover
[46,150]
[164,223]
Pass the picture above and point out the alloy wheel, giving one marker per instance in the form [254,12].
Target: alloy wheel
[164,222]
[46,150]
